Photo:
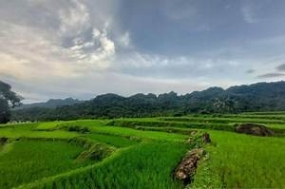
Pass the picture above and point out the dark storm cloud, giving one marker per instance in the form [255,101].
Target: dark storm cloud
[271,75]
[189,27]
[281,67]
[250,71]
[179,27]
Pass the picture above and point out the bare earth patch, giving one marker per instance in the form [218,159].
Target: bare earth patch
[187,168]
[254,129]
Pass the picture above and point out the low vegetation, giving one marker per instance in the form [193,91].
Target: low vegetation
[242,161]
[143,153]
[29,160]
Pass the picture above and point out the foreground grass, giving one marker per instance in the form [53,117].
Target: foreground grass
[146,160]
[146,151]
[145,166]
[27,161]
[243,161]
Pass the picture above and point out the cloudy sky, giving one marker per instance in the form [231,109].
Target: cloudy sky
[82,48]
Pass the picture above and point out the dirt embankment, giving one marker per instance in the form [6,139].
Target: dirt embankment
[186,169]
[253,129]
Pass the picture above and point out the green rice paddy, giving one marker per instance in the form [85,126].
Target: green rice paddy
[141,153]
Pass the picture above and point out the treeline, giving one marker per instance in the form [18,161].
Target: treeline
[8,99]
[245,98]
[51,104]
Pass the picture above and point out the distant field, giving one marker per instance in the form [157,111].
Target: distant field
[142,153]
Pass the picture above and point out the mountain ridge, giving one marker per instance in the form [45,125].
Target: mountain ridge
[245,98]
[51,103]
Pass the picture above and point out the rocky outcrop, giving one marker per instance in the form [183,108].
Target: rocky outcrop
[187,168]
[253,129]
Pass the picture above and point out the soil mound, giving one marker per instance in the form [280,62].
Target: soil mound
[187,168]
[253,129]
[3,140]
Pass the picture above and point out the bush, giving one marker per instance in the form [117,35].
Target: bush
[79,129]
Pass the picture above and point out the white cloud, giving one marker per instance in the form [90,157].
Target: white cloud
[179,67]
[97,50]
[37,56]
[124,40]
[42,50]
[74,20]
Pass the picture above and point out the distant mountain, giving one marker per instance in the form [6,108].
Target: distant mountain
[51,104]
[244,98]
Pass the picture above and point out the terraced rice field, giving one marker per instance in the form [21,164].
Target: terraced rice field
[142,153]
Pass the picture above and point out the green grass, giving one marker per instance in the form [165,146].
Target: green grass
[141,153]
[31,160]
[7,147]
[144,151]
[46,126]
[98,127]
[265,113]
[10,133]
[144,166]
[127,132]
[112,140]
[28,131]
[198,122]
[224,120]
[243,161]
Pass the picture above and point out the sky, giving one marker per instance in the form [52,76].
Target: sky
[53,49]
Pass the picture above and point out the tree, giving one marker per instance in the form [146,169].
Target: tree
[8,99]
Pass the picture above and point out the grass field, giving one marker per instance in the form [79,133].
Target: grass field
[141,153]
[243,161]
[30,160]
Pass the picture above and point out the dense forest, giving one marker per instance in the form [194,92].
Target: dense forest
[245,98]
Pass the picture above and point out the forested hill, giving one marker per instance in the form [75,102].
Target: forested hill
[255,97]
[52,103]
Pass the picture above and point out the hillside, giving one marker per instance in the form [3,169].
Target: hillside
[52,103]
[236,99]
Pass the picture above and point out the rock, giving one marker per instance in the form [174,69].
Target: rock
[187,168]
[254,129]
[206,138]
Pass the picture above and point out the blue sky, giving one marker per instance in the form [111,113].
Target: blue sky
[82,48]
